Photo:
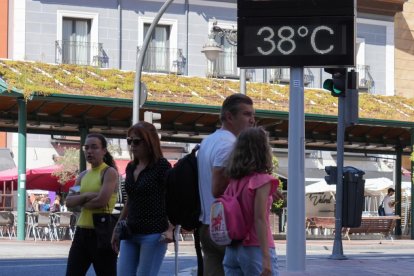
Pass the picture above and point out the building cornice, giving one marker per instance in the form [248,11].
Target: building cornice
[382,7]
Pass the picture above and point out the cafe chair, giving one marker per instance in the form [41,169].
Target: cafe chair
[6,223]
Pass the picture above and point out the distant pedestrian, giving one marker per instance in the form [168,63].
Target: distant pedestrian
[98,193]
[56,204]
[249,167]
[143,251]
[389,204]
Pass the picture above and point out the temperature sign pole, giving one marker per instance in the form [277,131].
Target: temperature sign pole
[295,34]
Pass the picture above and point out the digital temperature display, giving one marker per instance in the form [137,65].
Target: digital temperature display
[296,41]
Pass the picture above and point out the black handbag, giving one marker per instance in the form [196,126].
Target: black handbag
[123,230]
[104,224]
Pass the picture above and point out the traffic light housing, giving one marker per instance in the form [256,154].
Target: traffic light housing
[332,176]
[150,117]
[339,82]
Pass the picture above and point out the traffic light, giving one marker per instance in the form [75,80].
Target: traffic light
[339,82]
[150,117]
[332,176]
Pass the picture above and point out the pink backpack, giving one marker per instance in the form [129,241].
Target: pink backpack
[227,223]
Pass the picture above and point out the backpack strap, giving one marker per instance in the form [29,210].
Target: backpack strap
[197,245]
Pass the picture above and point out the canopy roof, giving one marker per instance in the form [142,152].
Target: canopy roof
[61,99]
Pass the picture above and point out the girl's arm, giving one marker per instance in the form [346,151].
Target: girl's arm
[260,211]
[73,200]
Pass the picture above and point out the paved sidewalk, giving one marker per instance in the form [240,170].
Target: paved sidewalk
[364,257]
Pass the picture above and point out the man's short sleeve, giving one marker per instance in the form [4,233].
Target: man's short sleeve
[223,152]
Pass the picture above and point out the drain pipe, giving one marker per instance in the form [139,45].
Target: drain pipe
[120,34]
[187,19]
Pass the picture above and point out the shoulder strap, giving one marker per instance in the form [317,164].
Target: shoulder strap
[103,174]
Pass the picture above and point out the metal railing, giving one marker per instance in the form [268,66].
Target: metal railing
[366,82]
[82,53]
[225,66]
[164,60]
[282,75]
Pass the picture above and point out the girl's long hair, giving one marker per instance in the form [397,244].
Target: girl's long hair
[251,153]
[108,158]
[149,135]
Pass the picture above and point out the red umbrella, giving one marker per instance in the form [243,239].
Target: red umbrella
[37,178]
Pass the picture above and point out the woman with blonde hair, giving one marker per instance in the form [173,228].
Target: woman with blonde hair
[249,167]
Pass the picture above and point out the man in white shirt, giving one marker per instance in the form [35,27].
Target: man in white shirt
[389,203]
[237,113]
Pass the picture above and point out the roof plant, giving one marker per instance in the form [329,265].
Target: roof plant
[45,79]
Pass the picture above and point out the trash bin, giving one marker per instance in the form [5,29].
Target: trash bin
[353,197]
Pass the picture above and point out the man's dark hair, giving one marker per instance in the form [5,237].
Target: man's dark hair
[391,190]
[231,104]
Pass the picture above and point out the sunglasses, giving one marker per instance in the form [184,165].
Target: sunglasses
[134,141]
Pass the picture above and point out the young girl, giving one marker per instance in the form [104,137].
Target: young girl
[249,166]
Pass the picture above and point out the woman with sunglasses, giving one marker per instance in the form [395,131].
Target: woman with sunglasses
[143,251]
[97,194]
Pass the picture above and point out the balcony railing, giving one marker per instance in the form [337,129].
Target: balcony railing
[82,53]
[225,66]
[282,75]
[164,60]
[366,82]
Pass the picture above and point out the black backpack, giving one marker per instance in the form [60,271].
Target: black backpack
[183,199]
[182,196]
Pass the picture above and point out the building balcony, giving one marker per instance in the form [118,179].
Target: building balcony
[282,76]
[80,53]
[225,67]
[366,82]
[164,60]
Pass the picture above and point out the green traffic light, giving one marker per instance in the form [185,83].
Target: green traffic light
[329,85]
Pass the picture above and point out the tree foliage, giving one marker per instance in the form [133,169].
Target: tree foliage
[69,165]
[278,204]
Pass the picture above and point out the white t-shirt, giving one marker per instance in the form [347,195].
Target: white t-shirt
[214,151]
[389,211]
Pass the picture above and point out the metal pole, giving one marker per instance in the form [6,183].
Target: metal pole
[243,81]
[120,34]
[136,102]
[296,236]
[337,251]
[82,159]
[397,170]
[412,185]
[21,170]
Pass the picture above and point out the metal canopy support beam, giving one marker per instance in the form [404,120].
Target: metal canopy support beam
[397,170]
[21,170]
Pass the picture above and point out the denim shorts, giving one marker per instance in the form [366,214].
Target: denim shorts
[247,260]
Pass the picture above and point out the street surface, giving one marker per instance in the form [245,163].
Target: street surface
[364,257]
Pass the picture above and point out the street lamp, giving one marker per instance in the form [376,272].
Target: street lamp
[212,49]
[138,100]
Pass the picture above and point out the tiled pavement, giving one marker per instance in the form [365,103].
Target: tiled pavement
[364,257]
